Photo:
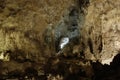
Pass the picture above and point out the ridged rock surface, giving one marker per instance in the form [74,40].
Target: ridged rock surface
[102,26]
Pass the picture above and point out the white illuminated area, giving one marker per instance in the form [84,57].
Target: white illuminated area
[63,42]
[107,61]
[4,57]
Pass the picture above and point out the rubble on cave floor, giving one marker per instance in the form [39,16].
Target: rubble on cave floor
[69,69]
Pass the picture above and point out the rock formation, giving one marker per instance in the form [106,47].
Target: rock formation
[31,32]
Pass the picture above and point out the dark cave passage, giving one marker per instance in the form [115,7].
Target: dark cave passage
[107,72]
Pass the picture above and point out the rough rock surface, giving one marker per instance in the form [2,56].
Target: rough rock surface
[31,30]
[23,22]
[102,27]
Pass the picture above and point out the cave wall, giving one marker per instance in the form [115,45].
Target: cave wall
[28,30]
[102,28]
[22,24]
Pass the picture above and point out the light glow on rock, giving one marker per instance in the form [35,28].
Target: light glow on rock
[107,61]
[63,42]
[4,57]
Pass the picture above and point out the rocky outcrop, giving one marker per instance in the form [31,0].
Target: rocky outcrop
[102,27]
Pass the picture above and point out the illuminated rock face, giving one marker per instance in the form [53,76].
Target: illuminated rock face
[22,24]
[102,27]
[4,56]
[97,28]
